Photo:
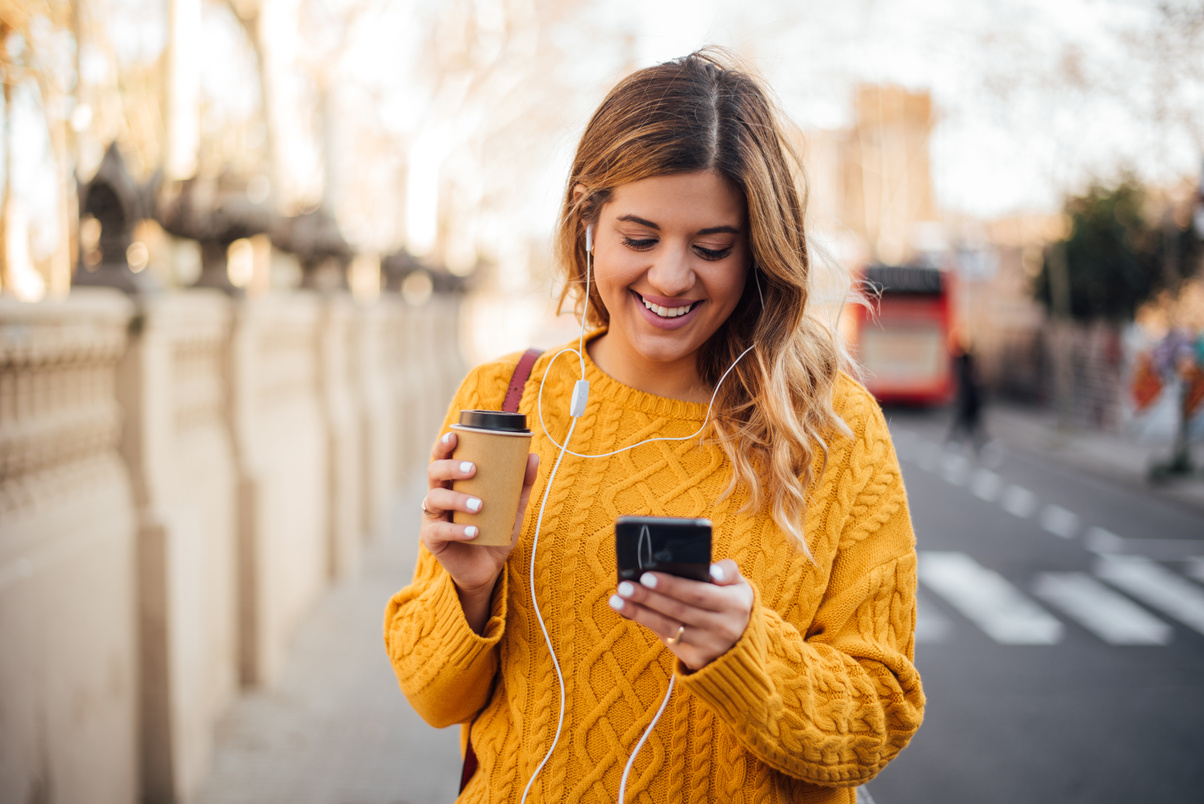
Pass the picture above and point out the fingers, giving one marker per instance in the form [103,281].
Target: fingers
[674,592]
[440,500]
[726,573]
[443,472]
[439,532]
[444,446]
[697,621]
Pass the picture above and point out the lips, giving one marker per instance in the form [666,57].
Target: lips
[666,308]
[664,313]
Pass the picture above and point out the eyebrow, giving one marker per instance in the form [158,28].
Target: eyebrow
[708,231]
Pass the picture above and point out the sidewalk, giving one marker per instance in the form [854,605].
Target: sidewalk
[336,729]
[1111,456]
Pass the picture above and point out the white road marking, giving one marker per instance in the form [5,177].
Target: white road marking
[986,485]
[1109,615]
[1195,568]
[988,600]
[931,626]
[1060,522]
[1019,501]
[1155,586]
[1105,542]
[930,455]
[954,468]
[1099,540]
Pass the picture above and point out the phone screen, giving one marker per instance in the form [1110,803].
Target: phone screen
[663,544]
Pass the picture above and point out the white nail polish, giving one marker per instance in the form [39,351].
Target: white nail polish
[466,466]
[446,438]
[626,589]
[717,572]
[649,580]
[616,602]
[474,505]
[471,531]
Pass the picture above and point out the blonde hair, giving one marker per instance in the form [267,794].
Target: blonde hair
[701,112]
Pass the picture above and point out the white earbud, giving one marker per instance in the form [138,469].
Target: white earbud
[589,238]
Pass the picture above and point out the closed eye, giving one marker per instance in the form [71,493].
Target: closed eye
[712,254]
[639,245]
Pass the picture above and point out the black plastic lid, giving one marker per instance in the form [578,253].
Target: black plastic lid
[494,420]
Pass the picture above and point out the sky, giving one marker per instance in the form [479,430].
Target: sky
[1008,138]
[1012,133]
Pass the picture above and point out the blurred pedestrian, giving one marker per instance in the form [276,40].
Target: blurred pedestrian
[682,239]
[967,424]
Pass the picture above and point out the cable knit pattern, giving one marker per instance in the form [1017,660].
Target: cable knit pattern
[815,698]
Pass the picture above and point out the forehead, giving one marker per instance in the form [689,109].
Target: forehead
[696,200]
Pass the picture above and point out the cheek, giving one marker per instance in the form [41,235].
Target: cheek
[729,288]
[613,274]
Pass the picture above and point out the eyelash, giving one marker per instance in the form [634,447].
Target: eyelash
[711,255]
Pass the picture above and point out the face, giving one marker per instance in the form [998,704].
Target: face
[671,256]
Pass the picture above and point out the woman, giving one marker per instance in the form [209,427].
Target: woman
[793,670]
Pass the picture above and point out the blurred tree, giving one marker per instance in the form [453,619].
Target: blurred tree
[1114,257]
[35,35]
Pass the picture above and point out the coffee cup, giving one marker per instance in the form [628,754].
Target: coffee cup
[498,444]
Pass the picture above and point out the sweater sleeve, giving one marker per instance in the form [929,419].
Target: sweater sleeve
[831,701]
[445,668]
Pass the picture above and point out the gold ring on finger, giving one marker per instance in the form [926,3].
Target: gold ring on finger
[428,512]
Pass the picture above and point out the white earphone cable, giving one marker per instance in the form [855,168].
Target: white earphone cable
[539,615]
[575,414]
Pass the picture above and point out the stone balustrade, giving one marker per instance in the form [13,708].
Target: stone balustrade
[179,482]
[68,661]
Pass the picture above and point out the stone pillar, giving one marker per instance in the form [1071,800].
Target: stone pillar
[281,456]
[377,418]
[340,357]
[176,442]
[68,669]
[404,383]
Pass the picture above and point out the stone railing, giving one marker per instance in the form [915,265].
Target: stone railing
[68,661]
[179,482]
[176,442]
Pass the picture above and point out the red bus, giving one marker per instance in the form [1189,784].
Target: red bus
[902,342]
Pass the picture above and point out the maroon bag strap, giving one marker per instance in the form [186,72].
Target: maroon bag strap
[518,381]
[514,394]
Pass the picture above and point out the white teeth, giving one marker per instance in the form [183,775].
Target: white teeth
[666,312]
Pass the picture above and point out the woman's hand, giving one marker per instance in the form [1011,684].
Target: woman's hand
[698,621]
[473,568]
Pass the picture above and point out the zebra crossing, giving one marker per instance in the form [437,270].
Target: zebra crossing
[1116,601]
[1134,593]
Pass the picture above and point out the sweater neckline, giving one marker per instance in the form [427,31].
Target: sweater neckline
[632,398]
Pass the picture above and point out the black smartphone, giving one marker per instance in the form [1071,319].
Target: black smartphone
[674,545]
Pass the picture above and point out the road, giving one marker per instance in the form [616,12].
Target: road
[1060,633]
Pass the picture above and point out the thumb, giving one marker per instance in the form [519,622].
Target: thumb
[524,496]
[725,573]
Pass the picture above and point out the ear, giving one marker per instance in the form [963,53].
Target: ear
[579,192]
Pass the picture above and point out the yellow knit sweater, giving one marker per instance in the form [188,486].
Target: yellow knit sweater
[815,698]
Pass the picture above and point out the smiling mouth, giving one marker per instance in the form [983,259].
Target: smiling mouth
[668,312]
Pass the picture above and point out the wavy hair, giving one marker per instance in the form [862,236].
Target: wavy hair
[773,415]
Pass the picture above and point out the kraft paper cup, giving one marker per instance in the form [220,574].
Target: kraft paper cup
[500,455]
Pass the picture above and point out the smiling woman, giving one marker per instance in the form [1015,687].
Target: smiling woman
[670,263]
[708,389]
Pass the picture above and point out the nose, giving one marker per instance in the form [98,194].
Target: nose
[671,274]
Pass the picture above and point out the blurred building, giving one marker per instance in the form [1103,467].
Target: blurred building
[872,183]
